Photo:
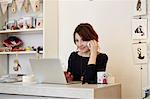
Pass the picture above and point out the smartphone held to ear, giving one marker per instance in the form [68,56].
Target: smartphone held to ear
[88,44]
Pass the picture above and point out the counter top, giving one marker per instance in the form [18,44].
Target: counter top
[55,90]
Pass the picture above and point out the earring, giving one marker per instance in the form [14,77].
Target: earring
[17,65]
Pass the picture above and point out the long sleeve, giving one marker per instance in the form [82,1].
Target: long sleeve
[69,64]
[74,66]
[92,69]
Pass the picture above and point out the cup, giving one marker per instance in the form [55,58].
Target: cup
[101,78]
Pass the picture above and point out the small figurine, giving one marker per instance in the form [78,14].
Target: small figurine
[26,5]
[17,65]
[14,6]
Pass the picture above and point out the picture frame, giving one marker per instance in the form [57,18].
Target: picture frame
[140,7]
[139,29]
[140,53]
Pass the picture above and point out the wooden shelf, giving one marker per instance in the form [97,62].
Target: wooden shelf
[21,30]
[20,52]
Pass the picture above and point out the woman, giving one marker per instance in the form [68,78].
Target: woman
[84,64]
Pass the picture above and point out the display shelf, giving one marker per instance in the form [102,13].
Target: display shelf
[20,52]
[22,30]
[29,36]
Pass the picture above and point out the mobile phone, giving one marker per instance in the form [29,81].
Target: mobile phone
[88,44]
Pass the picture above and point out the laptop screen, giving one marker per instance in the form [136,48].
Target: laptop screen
[48,71]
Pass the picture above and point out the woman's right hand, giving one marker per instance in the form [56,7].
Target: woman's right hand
[93,49]
[93,46]
[68,76]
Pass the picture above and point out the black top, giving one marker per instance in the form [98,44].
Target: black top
[78,66]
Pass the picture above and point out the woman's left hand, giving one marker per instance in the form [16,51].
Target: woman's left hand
[93,50]
[93,46]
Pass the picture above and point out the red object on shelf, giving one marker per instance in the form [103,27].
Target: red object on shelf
[18,49]
[12,41]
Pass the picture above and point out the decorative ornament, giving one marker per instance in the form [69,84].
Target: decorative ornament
[19,4]
[17,66]
[26,6]
[14,6]
[4,6]
[35,5]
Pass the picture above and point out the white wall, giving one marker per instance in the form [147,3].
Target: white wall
[112,21]
[50,28]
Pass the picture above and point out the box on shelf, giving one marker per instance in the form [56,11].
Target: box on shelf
[11,24]
[26,23]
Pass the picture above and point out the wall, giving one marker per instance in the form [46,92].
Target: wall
[50,28]
[112,21]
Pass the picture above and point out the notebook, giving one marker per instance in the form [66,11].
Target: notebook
[48,71]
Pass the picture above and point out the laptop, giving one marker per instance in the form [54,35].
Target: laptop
[48,71]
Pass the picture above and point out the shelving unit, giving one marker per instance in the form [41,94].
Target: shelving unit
[22,30]
[18,32]
[20,52]
[30,37]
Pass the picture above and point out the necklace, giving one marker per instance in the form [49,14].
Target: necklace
[83,68]
[81,71]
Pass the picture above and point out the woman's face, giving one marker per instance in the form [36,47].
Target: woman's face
[81,45]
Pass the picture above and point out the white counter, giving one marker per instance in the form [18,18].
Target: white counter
[85,91]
